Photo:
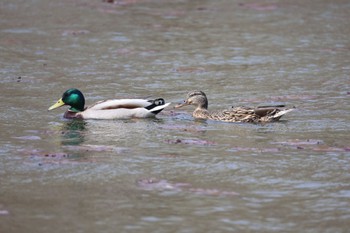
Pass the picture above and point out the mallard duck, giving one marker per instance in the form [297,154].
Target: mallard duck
[108,109]
[234,114]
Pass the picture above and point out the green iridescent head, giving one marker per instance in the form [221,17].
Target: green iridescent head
[72,97]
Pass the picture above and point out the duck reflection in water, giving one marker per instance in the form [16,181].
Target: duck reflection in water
[73,132]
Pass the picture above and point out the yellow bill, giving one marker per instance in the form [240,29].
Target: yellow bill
[59,103]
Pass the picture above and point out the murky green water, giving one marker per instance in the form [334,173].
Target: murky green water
[174,174]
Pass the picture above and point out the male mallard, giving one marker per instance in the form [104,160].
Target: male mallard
[234,114]
[108,109]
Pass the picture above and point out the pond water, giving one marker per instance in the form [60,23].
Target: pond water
[173,173]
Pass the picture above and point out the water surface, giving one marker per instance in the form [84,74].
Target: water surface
[172,173]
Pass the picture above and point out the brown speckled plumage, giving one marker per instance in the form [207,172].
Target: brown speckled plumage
[233,114]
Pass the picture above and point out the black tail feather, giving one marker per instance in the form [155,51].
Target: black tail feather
[155,103]
[272,106]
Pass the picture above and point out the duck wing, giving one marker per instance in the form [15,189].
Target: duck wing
[250,115]
[272,113]
[236,114]
[124,109]
[121,103]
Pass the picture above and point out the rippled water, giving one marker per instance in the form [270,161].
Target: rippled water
[172,173]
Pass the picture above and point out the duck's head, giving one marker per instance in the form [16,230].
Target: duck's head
[196,98]
[72,97]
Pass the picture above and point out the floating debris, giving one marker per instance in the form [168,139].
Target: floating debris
[312,144]
[155,184]
[29,137]
[164,185]
[259,6]
[298,142]
[254,149]
[189,70]
[4,212]
[97,148]
[75,32]
[191,142]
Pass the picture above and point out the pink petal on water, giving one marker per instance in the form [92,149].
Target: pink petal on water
[77,32]
[236,149]
[4,212]
[330,149]
[189,69]
[29,137]
[161,185]
[213,192]
[58,155]
[185,128]
[191,142]
[297,142]
[259,6]
[97,148]
[156,184]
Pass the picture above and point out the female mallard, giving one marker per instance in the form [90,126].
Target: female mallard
[108,109]
[234,114]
